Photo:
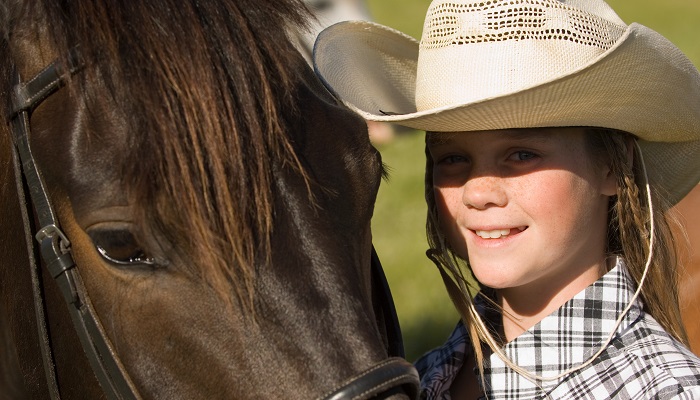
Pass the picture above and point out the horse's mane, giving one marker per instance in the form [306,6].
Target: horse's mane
[205,86]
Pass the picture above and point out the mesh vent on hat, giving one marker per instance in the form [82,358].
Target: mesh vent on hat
[451,23]
[471,51]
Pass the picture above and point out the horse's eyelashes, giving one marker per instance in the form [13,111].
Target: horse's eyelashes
[136,258]
[120,246]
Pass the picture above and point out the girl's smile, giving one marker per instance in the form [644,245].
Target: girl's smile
[497,233]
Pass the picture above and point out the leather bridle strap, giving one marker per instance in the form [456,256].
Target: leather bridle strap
[382,295]
[54,245]
[392,373]
[44,344]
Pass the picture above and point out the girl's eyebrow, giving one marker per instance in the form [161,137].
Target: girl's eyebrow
[530,135]
[439,138]
[527,134]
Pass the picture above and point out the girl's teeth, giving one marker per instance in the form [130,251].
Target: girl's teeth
[495,234]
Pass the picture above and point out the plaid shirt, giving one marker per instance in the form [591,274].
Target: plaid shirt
[641,362]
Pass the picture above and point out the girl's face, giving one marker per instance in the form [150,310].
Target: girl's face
[527,207]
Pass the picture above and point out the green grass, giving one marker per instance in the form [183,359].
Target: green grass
[425,312]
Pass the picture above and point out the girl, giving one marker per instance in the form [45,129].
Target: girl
[557,137]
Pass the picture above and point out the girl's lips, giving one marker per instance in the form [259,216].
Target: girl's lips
[498,233]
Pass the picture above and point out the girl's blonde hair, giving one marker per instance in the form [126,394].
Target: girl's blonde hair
[628,236]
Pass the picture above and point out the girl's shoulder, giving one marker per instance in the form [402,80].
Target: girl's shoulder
[658,362]
[643,362]
[439,367]
[648,340]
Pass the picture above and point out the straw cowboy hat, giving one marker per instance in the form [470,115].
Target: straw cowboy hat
[524,63]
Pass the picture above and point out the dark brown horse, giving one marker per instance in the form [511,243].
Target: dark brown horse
[216,199]
[689,289]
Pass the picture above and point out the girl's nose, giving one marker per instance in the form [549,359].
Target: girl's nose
[483,192]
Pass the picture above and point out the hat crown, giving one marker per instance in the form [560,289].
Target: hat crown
[472,51]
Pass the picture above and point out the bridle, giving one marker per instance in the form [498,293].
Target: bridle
[55,250]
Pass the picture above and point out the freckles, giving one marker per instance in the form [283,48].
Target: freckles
[530,193]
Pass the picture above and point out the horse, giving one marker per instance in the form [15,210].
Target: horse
[689,282]
[185,210]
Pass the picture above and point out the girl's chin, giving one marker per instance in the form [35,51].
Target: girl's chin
[501,275]
[496,281]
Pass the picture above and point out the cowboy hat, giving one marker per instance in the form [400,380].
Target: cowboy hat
[503,64]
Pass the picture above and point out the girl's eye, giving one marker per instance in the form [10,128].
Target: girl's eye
[522,155]
[119,246]
[452,159]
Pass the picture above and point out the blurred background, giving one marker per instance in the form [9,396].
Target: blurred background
[425,312]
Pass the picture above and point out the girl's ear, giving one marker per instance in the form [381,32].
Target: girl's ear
[609,186]
[631,145]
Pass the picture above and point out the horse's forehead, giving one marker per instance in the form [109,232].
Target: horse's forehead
[29,45]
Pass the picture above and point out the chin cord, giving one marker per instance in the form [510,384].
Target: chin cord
[536,379]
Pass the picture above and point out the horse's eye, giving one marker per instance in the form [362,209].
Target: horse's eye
[119,246]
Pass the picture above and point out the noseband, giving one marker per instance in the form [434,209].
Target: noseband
[55,249]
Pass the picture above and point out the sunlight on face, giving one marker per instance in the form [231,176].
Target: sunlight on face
[526,207]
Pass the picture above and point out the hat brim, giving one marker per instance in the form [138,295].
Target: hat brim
[643,85]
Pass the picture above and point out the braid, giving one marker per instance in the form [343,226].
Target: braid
[629,234]
[629,217]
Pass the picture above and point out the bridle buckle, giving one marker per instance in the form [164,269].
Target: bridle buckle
[50,232]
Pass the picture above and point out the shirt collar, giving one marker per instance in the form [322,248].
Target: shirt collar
[569,336]
[562,340]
